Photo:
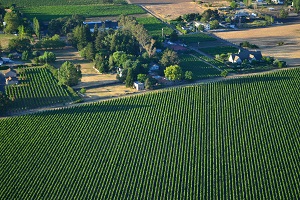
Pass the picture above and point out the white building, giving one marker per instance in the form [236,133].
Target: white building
[205,25]
[139,85]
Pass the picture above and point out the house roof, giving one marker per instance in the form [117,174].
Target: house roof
[9,73]
[256,54]
[106,24]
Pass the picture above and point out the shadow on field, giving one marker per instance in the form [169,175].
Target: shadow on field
[93,108]
[254,79]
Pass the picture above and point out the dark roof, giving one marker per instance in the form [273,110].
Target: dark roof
[107,24]
[256,54]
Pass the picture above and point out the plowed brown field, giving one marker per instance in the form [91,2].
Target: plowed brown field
[268,38]
[170,9]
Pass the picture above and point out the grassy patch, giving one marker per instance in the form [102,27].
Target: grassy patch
[154,26]
[4,39]
[51,12]
[195,38]
[200,69]
[220,50]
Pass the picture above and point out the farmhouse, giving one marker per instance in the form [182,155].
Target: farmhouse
[205,25]
[107,24]
[10,76]
[139,85]
[245,55]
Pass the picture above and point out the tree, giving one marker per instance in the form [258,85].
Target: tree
[69,74]
[224,73]
[129,78]
[173,36]
[101,63]
[89,51]
[169,57]
[214,24]
[148,84]
[141,77]
[36,27]
[47,57]
[233,5]
[283,13]
[189,75]
[296,4]
[13,21]
[25,55]
[173,72]
[17,44]
[4,102]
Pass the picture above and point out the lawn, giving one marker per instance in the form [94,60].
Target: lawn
[4,39]
[213,51]
[154,26]
[200,69]
[195,38]
[46,13]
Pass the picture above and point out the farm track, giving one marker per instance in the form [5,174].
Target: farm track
[205,81]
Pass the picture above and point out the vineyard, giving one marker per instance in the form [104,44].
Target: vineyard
[154,26]
[37,88]
[195,38]
[200,69]
[52,12]
[237,139]
[34,3]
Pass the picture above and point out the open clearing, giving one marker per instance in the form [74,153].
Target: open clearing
[90,77]
[4,39]
[105,92]
[267,40]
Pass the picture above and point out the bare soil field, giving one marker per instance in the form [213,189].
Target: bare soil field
[268,38]
[109,92]
[170,9]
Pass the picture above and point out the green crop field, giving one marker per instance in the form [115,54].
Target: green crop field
[220,50]
[52,12]
[34,3]
[154,26]
[39,88]
[200,69]
[237,139]
[195,38]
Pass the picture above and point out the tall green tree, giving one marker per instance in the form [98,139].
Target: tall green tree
[17,44]
[173,73]
[296,4]
[169,57]
[69,74]
[90,51]
[36,27]
[13,21]
[129,78]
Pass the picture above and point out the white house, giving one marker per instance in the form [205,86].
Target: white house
[205,25]
[245,55]
[139,85]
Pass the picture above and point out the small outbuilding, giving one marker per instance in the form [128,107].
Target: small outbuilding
[138,85]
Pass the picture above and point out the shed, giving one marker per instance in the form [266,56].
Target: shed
[139,85]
